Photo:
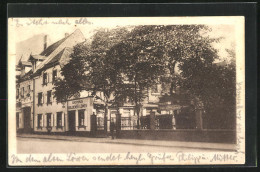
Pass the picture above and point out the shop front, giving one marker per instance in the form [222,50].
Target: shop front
[79,112]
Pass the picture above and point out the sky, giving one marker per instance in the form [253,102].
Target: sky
[24,28]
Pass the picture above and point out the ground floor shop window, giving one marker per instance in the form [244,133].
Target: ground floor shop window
[59,119]
[81,118]
[100,123]
[39,121]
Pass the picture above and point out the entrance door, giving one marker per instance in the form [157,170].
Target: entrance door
[17,120]
[27,118]
[72,121]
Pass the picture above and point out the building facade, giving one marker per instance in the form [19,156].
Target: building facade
[39,111]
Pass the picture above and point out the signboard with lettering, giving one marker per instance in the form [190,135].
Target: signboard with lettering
[78,104]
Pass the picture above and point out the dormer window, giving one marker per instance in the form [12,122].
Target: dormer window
[44,79]
[54,75]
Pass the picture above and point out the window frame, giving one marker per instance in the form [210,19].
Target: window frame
[49,97]
[22,92]
[28,90]
[49,120]
[39,121]
[44,78]
[17,93]
[40,101]
[81,118]
[54,77]
[59,121]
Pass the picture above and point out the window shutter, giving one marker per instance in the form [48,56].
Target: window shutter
[62,118]
[37,121]
[85,117]
[55,119]
[43,120]
[43,98]
[50,77]
[52,96]
[58,74]
[52,119]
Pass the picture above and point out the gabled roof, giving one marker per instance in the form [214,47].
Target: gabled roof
[54,51]
[52,47]
[64,54]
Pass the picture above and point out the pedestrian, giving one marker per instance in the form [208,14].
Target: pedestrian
[112,128]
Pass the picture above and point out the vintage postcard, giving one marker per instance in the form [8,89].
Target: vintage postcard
[126,91]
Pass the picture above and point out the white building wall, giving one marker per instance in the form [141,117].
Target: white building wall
[45,108]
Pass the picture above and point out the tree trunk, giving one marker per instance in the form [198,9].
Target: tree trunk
[138,116]
[172,71]
[136,106]
[105,118]
[171,88]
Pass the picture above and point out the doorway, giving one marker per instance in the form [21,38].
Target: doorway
[17,120]
[72,121]
[27,118]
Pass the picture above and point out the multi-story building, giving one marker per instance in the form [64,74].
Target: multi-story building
[38,110]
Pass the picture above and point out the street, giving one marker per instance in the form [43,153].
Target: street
[39,145]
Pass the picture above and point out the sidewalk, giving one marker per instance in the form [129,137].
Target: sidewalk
[192,145]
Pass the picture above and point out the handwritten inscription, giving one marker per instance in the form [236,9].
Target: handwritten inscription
[188,157]
[51,158]
[15,159]
[137,159]
[41,22]
[30,158]
[239,107]
[223,157]
[72,157]
[160,157]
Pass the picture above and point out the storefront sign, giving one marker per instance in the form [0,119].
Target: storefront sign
[78,104]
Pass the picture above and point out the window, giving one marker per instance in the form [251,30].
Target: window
[40,99]
[59,119]
[54,75]
[49,99]
[28,90]
[81,117]
[22,92]
[39,121]
[49,120]
[44,81]
[17,93]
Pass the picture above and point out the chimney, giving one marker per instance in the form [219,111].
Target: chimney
[45,42]
[66,34]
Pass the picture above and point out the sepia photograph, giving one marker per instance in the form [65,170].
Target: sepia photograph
[126,91]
